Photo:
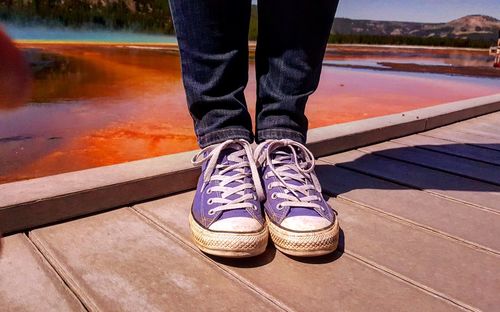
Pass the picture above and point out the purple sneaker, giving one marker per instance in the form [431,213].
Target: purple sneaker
[226,217]
[300,221]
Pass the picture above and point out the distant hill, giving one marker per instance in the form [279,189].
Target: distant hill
[471,27]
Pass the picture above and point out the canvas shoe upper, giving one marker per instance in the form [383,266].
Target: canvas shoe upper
[229,190]
[293,193]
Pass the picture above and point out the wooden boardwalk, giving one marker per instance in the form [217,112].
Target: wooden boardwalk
[420,219]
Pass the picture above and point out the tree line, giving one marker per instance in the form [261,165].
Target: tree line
[136,15]
[408,40]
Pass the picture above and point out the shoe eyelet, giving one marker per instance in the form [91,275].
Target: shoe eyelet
[210,201]
[279,206]
[211,212]
[269,186]
[255,207]
[274,196]
[209,191]
[254,197]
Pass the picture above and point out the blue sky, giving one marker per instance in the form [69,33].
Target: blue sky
[416,10]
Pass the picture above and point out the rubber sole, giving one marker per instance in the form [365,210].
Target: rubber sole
[229,244]
[305,244]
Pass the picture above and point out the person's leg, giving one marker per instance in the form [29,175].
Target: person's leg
[226,217]
[290,49]
[213,43]
[291,44]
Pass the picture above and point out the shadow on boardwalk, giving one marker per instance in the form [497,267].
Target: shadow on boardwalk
[451,167]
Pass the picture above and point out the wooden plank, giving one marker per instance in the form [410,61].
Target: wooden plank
[493,117]
[117,261]
[339,281]
[448,163]
[458,221]
[484,195]
[440,115]
[463,137]
[37,202]
[462,273]
[28,283]
[486,125]
[452,148]
[477,127]
[481,132]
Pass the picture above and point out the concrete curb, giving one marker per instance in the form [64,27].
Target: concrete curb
[341,137]
[37,202]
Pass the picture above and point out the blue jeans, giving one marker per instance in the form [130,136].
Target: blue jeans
[213,44]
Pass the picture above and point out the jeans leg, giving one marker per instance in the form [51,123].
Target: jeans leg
[291,45]
[213,44]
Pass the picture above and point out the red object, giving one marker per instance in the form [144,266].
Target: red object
[15,74]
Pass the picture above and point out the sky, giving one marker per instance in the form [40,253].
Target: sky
[416,10]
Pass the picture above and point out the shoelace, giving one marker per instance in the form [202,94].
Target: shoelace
[238,174]
[287,167]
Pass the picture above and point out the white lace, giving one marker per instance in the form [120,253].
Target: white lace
[286,167]
[211,154]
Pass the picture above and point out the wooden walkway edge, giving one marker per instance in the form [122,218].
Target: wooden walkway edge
[37,202]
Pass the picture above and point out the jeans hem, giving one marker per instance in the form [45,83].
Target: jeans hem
[278,134]
[222,135]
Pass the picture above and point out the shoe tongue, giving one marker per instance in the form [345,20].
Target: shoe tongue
[285,151]
[224,159]
[225,153]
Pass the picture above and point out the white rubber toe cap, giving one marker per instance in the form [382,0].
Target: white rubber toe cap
[305,223]
[236,224]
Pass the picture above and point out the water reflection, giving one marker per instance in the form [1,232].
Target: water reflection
[420,56]
[98,105]
[474,63]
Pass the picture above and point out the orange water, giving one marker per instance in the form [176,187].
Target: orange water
[106,105]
